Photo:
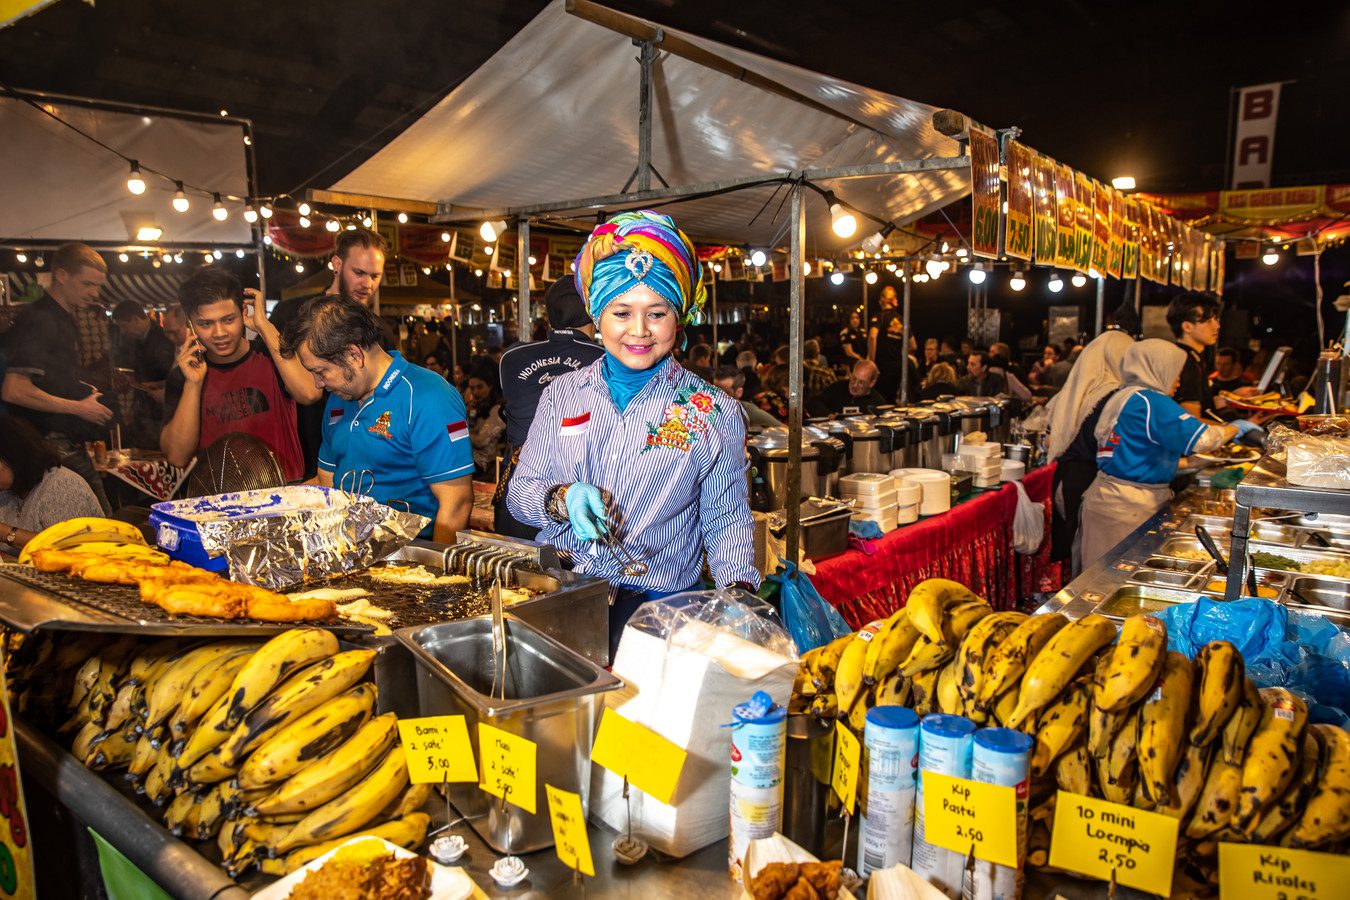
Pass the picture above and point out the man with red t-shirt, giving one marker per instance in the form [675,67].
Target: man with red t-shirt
[224,384]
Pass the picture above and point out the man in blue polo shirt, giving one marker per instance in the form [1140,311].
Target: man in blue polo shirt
[391,430]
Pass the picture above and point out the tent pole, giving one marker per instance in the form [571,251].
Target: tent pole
[712,285]
[904,352]
[647,54]
[1138,285]
[796,314]
[1101,303]
[524,332]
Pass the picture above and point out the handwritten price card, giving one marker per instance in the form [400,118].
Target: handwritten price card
[437,749]
[1253,872]
[508,766]
[651,763]
[1093,837]
[959,814]
[844,777]
[571,842]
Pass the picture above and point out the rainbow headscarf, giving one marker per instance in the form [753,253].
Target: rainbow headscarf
[646,248]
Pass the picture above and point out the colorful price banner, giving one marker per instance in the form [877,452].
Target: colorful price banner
[1130,267]
[844,777]
[1101,226]
[970,816]
[1115,257]
[1256,872]
[1083,226]
[1066,213]
[651,763]
[570,840]
[437,749]
[1096,838]
[508,766]
[1017,236]
[1043,171]
[984,194]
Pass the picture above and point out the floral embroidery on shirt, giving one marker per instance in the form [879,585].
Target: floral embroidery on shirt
[690,416]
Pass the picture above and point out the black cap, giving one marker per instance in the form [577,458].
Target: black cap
[565,307]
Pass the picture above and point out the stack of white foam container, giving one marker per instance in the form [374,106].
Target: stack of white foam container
[984,461]
[873,496]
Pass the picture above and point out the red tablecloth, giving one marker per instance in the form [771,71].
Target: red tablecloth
[971,544]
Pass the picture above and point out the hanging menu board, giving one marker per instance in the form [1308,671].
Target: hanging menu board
[984,194]
[1101,226]
[1083,211]
[1047,221]
[1066,214]
[1130,265]
[1115,257]
[1017,243]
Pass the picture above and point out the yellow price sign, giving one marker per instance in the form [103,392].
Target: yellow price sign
[961,815]
[844,776]
[1253,872]
[570,840]
[437,749]
[650,762]
[1094,838]
[507,766]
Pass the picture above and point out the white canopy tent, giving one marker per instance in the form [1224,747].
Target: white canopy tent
[60,186]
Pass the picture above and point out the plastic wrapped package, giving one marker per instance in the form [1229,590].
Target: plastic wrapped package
[686,661]
[1311,460]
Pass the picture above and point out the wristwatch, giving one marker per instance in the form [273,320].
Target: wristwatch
[555,503]
[13,533]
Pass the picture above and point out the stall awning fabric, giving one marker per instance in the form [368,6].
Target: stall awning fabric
[59,186]
[553,116]
[1318,212]
[151,290]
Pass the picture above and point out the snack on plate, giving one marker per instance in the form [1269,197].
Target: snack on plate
[796,881]
[365,871]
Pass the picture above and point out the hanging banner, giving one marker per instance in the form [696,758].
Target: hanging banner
[1130,264]
[288,236]
[1147,242]
[1180,245]
[1272,203]
[1162,231]
[1083,211]
[984,194]
[1217,266]
[1115,256]
[1047,222]
[1202,254]
[1101,226]
[422,243]
[1066,213]
[1258,106]
[1017,241]
[16,853]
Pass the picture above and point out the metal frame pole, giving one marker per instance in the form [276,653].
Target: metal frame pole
[1138,290]
[796,330]
[904,352]
[1101,304]
[523,330]
[647,53]
[712,291]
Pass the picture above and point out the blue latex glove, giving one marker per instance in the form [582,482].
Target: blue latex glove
[586,511]
[1244,426]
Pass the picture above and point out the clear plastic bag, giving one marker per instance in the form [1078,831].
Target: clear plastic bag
[1321,461]
[693,619]
[1028,523]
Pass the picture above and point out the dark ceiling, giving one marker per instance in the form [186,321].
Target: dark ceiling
[1137,88]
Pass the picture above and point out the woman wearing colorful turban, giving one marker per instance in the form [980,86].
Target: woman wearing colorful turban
[633,445]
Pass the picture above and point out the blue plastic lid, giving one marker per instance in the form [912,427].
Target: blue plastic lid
[759,709]
[947,725]
[1004,740]
[893,717]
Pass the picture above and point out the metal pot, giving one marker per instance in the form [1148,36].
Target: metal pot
[894,440]
[929,455]
[865,453]
[772,449]
[906,455]
[832,459]
[948,428]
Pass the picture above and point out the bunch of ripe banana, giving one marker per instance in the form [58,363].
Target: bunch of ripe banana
[106,537]
[272,748]
[1123,719]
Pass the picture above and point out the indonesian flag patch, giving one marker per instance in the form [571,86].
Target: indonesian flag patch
[335,415]
[575,424]
[458,431]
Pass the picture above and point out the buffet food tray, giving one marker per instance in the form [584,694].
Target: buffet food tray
[118,607]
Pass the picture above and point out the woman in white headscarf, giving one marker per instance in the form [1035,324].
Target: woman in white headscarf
[1141,436]
[1073,414]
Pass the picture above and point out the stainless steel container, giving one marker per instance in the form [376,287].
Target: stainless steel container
[947,429]
[929,449]
[824,528]
[771,445]
[894,439]
[806,782]
[553,698]
[865,452]
[832,459]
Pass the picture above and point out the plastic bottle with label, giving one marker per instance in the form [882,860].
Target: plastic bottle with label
[891,755]
[946,743]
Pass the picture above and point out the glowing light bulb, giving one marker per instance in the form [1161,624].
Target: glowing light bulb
[300,267]
[303,209]
[135,183]
[216,254]
[478,273]
[934,268]
[1270,257]
[218,210]
[1017,282]
[758,258]
[717,267]
[837,278]
[332,225]
[870,277]
[843,222]
[180,200]
[445,236]
[304,221]
[872,242]
[1078,280]
[265,211]
[250,214]
[533,261]
[122,257]
[1123,182]
[403,218]
[1056,284]
[961,253]
[977,275]
[21,257]
[366,220]
[426,270]
[490,231]
[239,254]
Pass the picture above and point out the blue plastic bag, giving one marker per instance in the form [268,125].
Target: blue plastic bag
[809,618]
[1281,647]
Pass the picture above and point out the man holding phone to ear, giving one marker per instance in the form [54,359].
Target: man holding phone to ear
[223,384]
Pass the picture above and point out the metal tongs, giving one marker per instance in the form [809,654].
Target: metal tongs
[498,640]
[632,566]
[1221,564]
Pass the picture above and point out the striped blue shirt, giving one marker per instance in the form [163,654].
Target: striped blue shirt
[674,462]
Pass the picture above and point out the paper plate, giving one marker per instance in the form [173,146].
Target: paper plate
[447,883]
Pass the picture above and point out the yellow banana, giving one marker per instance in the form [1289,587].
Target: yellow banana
[413,798]
[1326,819]
[116,750]
[90,735]
[309,738]
[975,648]
[1060,725]
[208,686]
[929,654]
[355,808]
[1136,661]
[274,662]
[1187,781]
[1120,772]
[826,660]
[889,648]
[144,755]
[1071,770]
[1004,706]
[151,660]
[1238,732]
[177,812]
[212,810]
[1218,798]
[209,734]
[210,769]
[823,706]
[1058,663]
[848,676]
[1272,756]
[928,604]
[1162,727]
[1285,811]
[169,688]
[407,832]
[1007,661]
[948,694]
[1222,674]
[894,690]
[924,688]
[80,530]
[803,685]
